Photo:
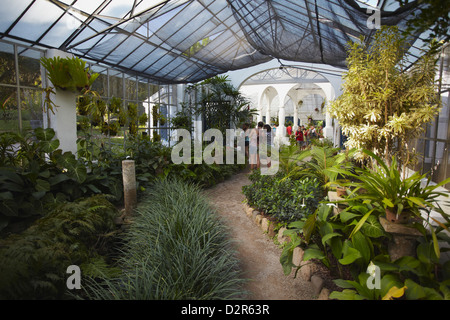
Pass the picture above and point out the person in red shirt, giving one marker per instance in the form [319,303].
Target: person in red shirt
[289,129]
[299,137]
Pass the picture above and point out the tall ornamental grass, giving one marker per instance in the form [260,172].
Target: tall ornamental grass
[176,248]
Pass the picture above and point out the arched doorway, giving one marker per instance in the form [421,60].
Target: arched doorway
[288,95]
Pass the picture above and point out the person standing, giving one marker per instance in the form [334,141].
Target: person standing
[268,130]
[253,148]
[299,137]
[289,129]
[245,127]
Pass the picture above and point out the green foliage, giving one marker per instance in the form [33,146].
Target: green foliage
[384,188]
[34,263]
[383,107]
[330,239]
[221,105]
[420,278]
[321,162]
[182,120]
[283,198]
[175,249]
[36,174]
[69,73]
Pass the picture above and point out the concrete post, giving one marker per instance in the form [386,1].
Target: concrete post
[64,121]
[129,186]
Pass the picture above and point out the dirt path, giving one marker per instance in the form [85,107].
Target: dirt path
[258,254]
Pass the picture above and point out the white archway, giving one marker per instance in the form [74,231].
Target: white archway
[291,85]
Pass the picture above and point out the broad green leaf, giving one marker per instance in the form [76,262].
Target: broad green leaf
[360,223]
[286,260]
[312,253]
[44,134]
[346,294]
[350,255]
[394,292]
[58,179]
[347,215]
[388,202]
[372,228]
[345,284]
[414,291]
[79,173]
[328,236]
[6,174]
[388,281]
[42,185]
[49,146]
[361,244]
[336,247]
[309,226]
[435,243]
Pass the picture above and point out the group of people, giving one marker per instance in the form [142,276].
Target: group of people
[254,138]
[303,135]
[264,134]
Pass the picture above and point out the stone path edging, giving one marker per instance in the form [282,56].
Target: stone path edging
[308,268]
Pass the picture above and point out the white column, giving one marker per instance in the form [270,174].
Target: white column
[283,90]
[64,121]
[328,130]
[295,114]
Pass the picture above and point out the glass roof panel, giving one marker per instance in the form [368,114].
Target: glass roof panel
[10,13]
[169,40]
[33,23]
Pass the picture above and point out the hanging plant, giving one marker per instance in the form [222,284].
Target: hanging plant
[69,73]
[143,119]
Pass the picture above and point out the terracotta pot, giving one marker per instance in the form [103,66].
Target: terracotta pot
[402,218]
[341,192]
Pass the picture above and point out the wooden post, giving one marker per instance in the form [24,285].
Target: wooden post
[129,186]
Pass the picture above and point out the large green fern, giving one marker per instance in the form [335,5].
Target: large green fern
[33,264]
[69,73]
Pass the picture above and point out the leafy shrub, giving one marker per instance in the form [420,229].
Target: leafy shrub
[176,248]
[68,73]
[330,239]
[281,197]
[34,263]
[35,175]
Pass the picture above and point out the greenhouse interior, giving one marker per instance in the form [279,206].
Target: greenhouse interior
[308,138]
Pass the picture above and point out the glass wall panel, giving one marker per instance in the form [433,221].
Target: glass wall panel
[100,85]
[9,119]
[7,64]
[115,84]
[31,108]
[29,67]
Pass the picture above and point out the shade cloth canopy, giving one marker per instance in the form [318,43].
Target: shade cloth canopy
[185,41]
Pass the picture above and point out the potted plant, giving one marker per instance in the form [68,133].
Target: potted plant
[69,73]
[399,198]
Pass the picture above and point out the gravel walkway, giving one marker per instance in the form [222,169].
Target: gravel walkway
[258,254]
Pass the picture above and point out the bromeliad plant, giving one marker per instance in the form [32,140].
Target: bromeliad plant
[387,191]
